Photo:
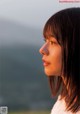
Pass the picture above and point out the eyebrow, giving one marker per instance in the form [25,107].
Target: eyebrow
[48,36]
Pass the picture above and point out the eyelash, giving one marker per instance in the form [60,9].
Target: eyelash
[51,42]
[44,40]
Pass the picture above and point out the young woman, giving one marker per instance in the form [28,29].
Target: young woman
[61,59]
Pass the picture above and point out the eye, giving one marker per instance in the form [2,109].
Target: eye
[52,42]
[45,40]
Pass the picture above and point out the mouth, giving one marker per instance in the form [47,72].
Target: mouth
[45,63]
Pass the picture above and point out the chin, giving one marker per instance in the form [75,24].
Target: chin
[48,73]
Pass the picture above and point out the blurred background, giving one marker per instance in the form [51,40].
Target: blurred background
[23,84]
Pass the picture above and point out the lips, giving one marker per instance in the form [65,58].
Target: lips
[45,63]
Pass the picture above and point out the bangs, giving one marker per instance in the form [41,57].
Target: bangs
[52,30]
[48,31]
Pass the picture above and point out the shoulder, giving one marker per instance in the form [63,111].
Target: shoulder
[60,107]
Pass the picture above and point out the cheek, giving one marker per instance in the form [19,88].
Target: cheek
[55,59]
[56,56]
[56,62]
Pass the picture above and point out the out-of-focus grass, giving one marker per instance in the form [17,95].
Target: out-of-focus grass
[31,112]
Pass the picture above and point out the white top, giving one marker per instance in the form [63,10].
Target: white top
[60,108]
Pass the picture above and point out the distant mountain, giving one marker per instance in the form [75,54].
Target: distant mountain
[23,84]
[12,33]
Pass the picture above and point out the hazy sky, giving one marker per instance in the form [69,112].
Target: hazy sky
[31,12]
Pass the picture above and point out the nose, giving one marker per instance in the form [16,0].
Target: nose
[44,50]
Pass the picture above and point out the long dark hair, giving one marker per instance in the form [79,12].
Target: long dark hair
[65,27]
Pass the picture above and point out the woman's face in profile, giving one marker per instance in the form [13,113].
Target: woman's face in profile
[51,57]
